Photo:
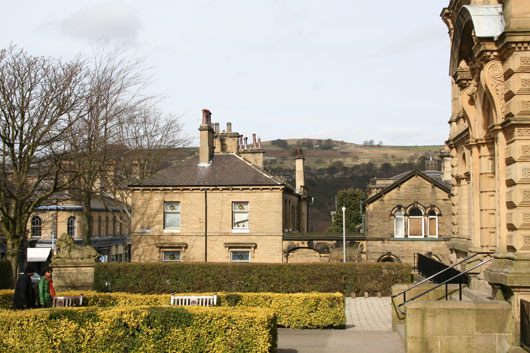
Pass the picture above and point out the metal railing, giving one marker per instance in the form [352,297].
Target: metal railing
[445,282]
[525,325]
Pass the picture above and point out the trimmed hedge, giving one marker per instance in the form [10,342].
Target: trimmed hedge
[6,275]
[301,310]
[139,329]
[154,278]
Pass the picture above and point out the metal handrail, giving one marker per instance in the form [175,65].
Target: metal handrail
[441,284]
[436,274]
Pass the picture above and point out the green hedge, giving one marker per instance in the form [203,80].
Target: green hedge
[277,278]
[138,329]
[6,275]
[299,310]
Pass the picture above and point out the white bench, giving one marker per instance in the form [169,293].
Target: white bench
[201,300]
[76,300]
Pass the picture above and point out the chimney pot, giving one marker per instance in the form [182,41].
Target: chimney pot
[229,127]
[254,143]
[216,127]
[259,142]
[246,143]
[205,116]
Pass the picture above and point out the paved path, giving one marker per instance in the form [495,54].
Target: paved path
[368,330]
[368,314]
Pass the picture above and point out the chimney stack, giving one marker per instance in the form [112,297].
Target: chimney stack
[206,138]
[300,174]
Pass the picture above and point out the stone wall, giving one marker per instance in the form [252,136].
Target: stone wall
[453,326]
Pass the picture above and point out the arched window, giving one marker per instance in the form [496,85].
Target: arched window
[36,226]
[399,224]
[70,229]
[416,223]
[432,224]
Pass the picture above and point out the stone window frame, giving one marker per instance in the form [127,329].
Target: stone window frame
[422,218]
[36,226]
[178,211]
[171,246]
[234,212]
[163,251]
[396,210]
[71,226]
[436,211]
[247,247]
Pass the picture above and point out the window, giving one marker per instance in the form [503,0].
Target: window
[240,256]
[99,226]
[106,226]
[172,216]
[399,224]
[36,226]
[71,226]
[170,255]
[432,224]
[113,225]
[415,223]
[240,218]
[120,229]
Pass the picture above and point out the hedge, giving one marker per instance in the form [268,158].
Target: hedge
[301,310]
[157,278]
[6,275]
[138,329]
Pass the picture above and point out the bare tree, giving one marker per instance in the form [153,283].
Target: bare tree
[115,90]
[41,100]
[148,139]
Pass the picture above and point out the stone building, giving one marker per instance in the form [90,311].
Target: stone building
[489,143]
[407,214]
[219,206]
[109,234]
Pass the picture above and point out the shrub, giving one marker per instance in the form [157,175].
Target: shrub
[6,275]
[138,329]
[301,310]
[278,278]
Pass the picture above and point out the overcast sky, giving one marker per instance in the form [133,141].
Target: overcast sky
[341,69]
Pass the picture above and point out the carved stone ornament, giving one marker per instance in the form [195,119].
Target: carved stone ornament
[492,77]
[467,101]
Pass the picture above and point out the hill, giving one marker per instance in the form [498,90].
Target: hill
[323,153]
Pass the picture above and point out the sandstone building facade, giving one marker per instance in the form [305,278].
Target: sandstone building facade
[408,214]
[489,142]
[219,206]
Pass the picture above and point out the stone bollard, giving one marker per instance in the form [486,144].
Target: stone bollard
[379,294]
[366,294]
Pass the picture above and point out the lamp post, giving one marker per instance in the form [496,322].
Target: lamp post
[343,234]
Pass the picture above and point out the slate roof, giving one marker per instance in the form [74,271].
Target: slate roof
[223,170]
[403,178]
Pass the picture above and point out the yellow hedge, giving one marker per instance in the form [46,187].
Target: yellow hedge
[138,329]
[299,310]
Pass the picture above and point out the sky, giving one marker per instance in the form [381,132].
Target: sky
[340,69]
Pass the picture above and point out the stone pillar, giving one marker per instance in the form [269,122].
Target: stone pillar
[73,276]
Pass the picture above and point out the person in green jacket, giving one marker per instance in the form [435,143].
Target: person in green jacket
[46,290]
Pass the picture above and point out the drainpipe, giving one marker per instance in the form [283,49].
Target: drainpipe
[205,226]
[362,214]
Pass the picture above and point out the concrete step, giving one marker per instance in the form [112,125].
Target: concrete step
[400,330]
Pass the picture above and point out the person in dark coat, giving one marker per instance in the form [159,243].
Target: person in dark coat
[24,290]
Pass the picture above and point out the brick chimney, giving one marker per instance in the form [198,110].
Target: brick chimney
[300,175]
[206,137]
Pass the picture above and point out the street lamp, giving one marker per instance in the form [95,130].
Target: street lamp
[343,234]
